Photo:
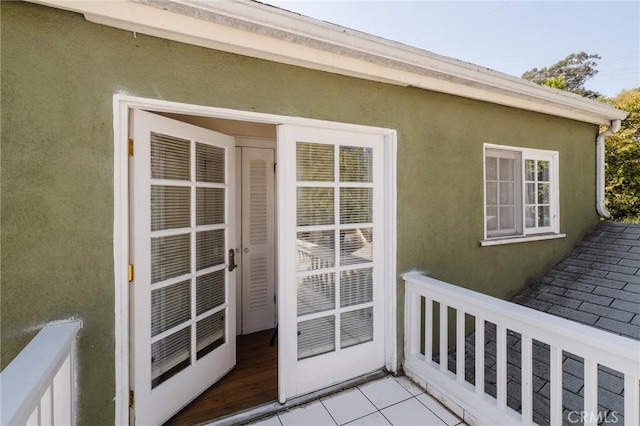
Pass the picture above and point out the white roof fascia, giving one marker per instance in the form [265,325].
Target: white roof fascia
[253,29]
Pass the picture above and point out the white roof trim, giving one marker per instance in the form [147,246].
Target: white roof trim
[254,29]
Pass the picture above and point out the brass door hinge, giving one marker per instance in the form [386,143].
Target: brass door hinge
[131,399]
[130,272]
[130,147]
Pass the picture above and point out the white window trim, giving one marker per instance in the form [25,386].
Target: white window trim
[554,230]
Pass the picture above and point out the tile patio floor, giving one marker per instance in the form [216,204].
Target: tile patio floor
[387,401]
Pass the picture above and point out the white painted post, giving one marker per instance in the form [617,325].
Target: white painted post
[590,392]
[460,349]
[413,321]
[501,366]
[631,397]
[527,375]
[555,375]
[479,356]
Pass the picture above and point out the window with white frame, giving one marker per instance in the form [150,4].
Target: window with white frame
[521,191]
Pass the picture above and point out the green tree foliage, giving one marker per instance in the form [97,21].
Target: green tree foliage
[622,161]
[569,74]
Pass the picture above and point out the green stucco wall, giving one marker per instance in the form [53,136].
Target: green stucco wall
[59,73]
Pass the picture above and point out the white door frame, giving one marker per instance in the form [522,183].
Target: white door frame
[122,104]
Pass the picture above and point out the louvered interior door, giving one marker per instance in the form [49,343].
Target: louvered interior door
[183,293]
[258,240]
[332,248]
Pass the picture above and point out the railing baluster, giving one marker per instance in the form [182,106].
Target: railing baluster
[590,392]
[413,319]
[527,376]
[428,330]
[460,349]
[444,328]
[631,397]
[479,356]
[555,375]
[501,366]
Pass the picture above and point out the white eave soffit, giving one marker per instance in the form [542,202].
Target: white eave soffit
[254,29]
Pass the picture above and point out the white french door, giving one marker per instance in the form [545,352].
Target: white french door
[182,296]
[331,257]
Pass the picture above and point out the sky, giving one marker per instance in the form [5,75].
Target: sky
[508,36]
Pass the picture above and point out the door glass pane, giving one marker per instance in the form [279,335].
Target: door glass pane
[543,171]
[209,334]
[356,246]
[316,337]
[543,193]
[170,207]
[210,163]
[315,162]
[170,157]
[492,168]
[356,327]
[316,293]
[492,218]
[355,164]
[507,169]
[209,291]
[507,217]
[315,206]
[316,250]
[530,216]
[170,257]
[544,218]
[507,193]
[492,193]
[209,206]
[531,193]
[356,205]
[209,249]
[356,287]
[170,306]
[170,355]
[530,170]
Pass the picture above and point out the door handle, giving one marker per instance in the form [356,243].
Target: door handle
[232,260]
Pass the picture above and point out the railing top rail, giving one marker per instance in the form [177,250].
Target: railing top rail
[26,378]
[618,352]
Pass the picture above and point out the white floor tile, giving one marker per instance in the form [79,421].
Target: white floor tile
[440,411]
[385,392]
[411,413]
[375,419]
[406,383]
[270,421]
[313,414]
[348,405]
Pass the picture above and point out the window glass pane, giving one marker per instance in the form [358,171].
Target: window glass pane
[531,193]
[356,205]
[170,306]
[170,257]
[543,171]
[355,164]
[492,193]
[170,207]
[355,246]
[209,163]
[209,249]
[507,169]
[209,334]
[507,217]
[356,287]
[543,216]
[170,157]
[209,206]
[315,206]
[316,337]
[314,162]
[356,327]
[170,355]
[530,216]
[209,291]
[507,194]
[543,193]
[316,250]
[492,218]
[316,293]
[492,168]
[530,170]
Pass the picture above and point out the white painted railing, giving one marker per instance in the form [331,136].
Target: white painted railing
[38,386]
[596,347]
